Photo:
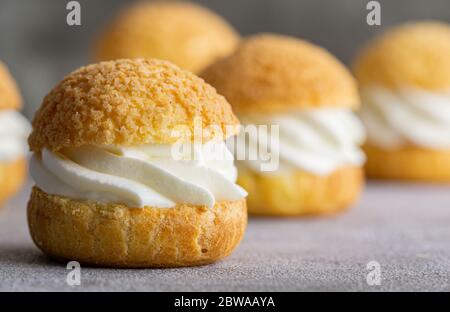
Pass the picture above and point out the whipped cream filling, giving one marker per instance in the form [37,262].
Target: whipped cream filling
[148,175]
[14,130]
[406,116]
[317,141]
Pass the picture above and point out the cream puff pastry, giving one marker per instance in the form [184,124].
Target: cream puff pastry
[14,129]
[310,96]
[404,77]
[109,189]
[184,33]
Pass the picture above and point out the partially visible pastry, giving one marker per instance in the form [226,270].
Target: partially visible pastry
[113,188]
[184,33]
[14,129]
[404,76]
[273,80]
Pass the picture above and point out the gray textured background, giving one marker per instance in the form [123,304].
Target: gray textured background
[404,227]
[40,48]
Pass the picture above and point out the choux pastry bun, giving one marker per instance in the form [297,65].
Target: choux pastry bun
[184,33]
[110,189]
[404,77]
[14,129]
[272,80]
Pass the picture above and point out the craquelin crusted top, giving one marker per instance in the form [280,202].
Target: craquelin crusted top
[9,93]
[184,33]
[414,54]
[277,73]
[128,102]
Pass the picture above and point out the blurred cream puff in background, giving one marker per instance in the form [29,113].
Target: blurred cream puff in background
[14,130]
[279,80]
[404,77]
[184,33]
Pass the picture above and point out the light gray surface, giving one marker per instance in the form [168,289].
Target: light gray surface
[406,228]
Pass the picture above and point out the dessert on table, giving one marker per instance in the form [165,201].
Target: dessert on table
[404,77]
[273,80]
[184,33]
[14,130]
[122,177]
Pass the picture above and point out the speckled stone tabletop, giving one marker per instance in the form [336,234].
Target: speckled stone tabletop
[403,227]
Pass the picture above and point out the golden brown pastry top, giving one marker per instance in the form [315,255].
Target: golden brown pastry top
[274,73]
[9,93]
[414,54]
[184,33]
[126,102]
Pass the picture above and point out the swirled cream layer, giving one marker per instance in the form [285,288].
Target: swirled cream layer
[149,175]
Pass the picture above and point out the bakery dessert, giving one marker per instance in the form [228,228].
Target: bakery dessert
[113,188]
[305,91]
[14,129]
[404,76]
[184,33]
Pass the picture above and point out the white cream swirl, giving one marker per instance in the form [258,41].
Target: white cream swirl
[14,130]
[407,116]
[317,141]
[147,175]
